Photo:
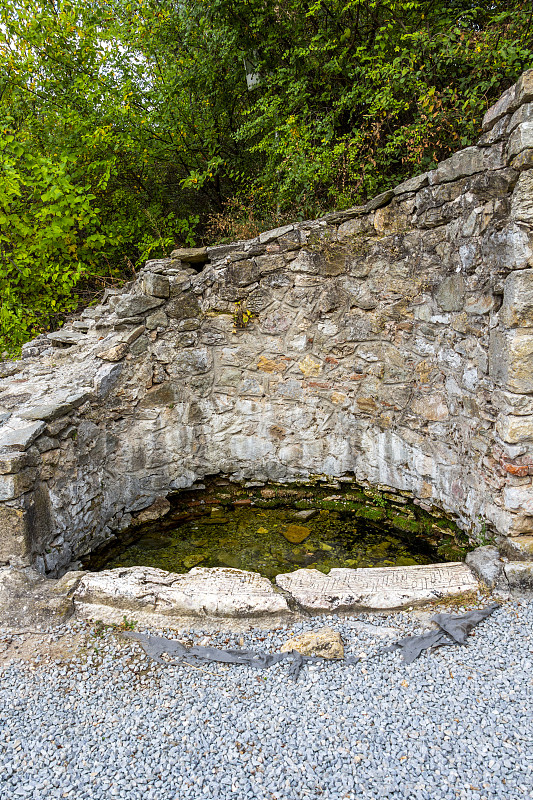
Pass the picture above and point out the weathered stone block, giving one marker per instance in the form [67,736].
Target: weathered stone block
[270,236]
[509,246]
[412,184]
[114,353]
[390,587]
[243,273]
[503,106]
[325,643]
[156,285]
[57,406]
[431,407]
[486,563]
[515,429]
[68,336]
[352,227]
[519,576]
[522,199]
[517,307]
[496,133]
[22,437]
[380,200]
[156,320]
[511,359]
[522,114]
[183,307]
[467,162]
[192,255]
[521,139]
[12,486]
[13,536]
[524,88]
[136,305]
[451,293]
[152,594]
[518,498]
[523,161]
[479,304]
[157,510]
[12,462]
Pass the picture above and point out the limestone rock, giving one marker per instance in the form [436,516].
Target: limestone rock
[521,139]
[515,429]
[511,359]
[156,285]
[522,199]
[192,255]
[380,200]
[519,575]
[68,337]
[324,642]
[56,406]
[467,162]
[524,89]
[431,407]
[503,106]
[451,293]
[157,510]
[15,544]
[270,236]
[12,486]
[135,305]
[520,547]
[155,596]
[27,599]
[21,437]
[115,353]
[486,563]
[412,184]
[310,367]
[376,588]
[305,514]
[522,114]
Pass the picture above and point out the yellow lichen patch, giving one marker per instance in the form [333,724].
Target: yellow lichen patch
[423,371]
[367,404]
[310,367]
[338,397]
[269,365]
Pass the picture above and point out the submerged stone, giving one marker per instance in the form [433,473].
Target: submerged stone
[296,533]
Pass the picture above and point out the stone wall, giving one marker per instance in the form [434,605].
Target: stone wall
[391,343]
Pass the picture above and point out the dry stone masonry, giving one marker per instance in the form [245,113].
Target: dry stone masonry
[391,344]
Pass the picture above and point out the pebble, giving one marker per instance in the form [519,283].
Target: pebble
[110,723]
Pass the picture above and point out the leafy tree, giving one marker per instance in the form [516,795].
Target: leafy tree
[356,95]
[128,127]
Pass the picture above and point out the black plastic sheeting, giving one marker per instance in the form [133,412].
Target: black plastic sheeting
[452,630]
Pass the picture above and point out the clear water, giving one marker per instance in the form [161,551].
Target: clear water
[252,538]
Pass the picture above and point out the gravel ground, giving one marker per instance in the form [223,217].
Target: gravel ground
[108,723]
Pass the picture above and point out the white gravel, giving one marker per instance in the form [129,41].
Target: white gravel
[457,723]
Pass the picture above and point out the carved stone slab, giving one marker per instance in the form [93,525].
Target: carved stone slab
[152,595]
[376,588]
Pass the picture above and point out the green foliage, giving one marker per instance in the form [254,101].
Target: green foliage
[357,95]
[128,127]
[48,236]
